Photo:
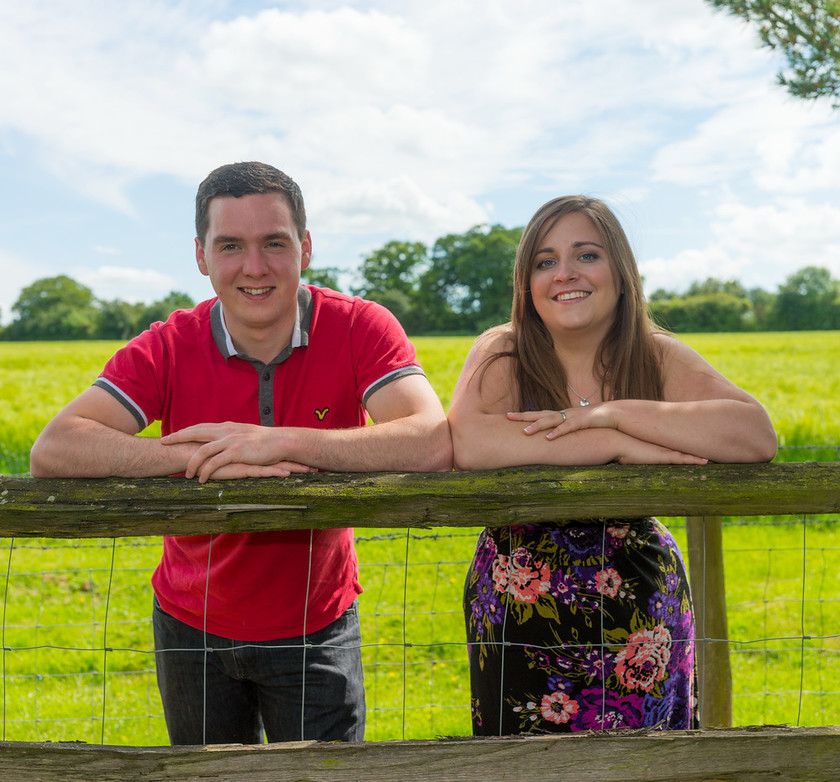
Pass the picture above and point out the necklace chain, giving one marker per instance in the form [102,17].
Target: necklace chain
[584,400]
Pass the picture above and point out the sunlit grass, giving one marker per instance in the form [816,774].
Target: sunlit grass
[792,373]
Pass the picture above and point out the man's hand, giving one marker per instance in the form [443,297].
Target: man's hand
[233,450]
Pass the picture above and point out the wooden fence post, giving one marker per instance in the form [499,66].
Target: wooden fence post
[714,674]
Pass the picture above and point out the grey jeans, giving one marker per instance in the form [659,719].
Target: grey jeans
[221,691]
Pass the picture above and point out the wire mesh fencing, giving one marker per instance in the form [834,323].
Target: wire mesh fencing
[78,657]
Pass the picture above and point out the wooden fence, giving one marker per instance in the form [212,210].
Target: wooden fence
[127,507]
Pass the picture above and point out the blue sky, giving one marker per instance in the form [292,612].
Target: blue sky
[405,119]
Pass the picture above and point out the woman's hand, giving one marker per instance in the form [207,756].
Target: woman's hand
[556,423]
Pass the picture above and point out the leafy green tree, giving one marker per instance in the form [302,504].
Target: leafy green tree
[709,312]
[404,309]
[763,303]
[469,284]
[118,319]
[807,32]
[713,285]
[434,308]
[395,266]
[161,310]
[390,276]
[660,294]
[54,308]
[808,300]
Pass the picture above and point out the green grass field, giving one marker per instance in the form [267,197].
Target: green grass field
[794,374]
[67,601]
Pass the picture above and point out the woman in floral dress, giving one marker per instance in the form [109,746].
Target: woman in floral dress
[587,625]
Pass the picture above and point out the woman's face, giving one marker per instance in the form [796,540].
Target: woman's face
[574,285]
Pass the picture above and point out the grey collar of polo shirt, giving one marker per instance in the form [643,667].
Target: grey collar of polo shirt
[300,333]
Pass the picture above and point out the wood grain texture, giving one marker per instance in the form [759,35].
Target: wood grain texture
[780,754]
[117,507]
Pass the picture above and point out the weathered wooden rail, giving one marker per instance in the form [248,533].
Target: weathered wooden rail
[127,507]
[117,507]
[776,754]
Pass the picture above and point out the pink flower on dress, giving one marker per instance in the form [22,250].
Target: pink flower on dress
[608,582]
[644,660]
[521,576]
[558,707]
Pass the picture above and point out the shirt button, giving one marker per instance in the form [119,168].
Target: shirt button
[266,375]
[266,410]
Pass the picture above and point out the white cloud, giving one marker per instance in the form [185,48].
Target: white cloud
[458,102]
[767,139]
[759,245]
[298,62]
[126,283]
[16,275]
[398,205]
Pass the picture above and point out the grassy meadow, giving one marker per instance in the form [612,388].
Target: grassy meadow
[794,374]
[66,602]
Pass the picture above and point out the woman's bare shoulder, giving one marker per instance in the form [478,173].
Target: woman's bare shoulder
[670,349]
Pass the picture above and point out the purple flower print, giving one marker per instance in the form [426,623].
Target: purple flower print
[563,587]
[581,540]
[665,606]
[606,710]
[487,602]
[476,712]
[485,553]
[558,682]
[597,664]
[658,710]
[539,659]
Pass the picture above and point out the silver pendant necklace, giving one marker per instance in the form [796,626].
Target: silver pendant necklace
[584,400]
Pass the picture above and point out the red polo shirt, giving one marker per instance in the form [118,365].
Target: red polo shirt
[186,371]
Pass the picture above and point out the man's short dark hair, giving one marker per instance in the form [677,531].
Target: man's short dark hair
[240,179]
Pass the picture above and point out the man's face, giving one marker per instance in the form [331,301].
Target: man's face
[253,257]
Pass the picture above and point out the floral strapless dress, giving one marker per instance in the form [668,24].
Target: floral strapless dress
[576,626]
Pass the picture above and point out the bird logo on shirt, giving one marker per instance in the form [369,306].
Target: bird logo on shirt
[321,414]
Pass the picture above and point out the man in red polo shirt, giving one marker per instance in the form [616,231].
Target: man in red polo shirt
[257,631]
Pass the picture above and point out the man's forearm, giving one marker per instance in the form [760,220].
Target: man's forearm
[410,444]
[82,448]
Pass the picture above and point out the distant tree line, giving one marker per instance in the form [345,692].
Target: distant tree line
[461,284]
[59,308]
[809,299]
